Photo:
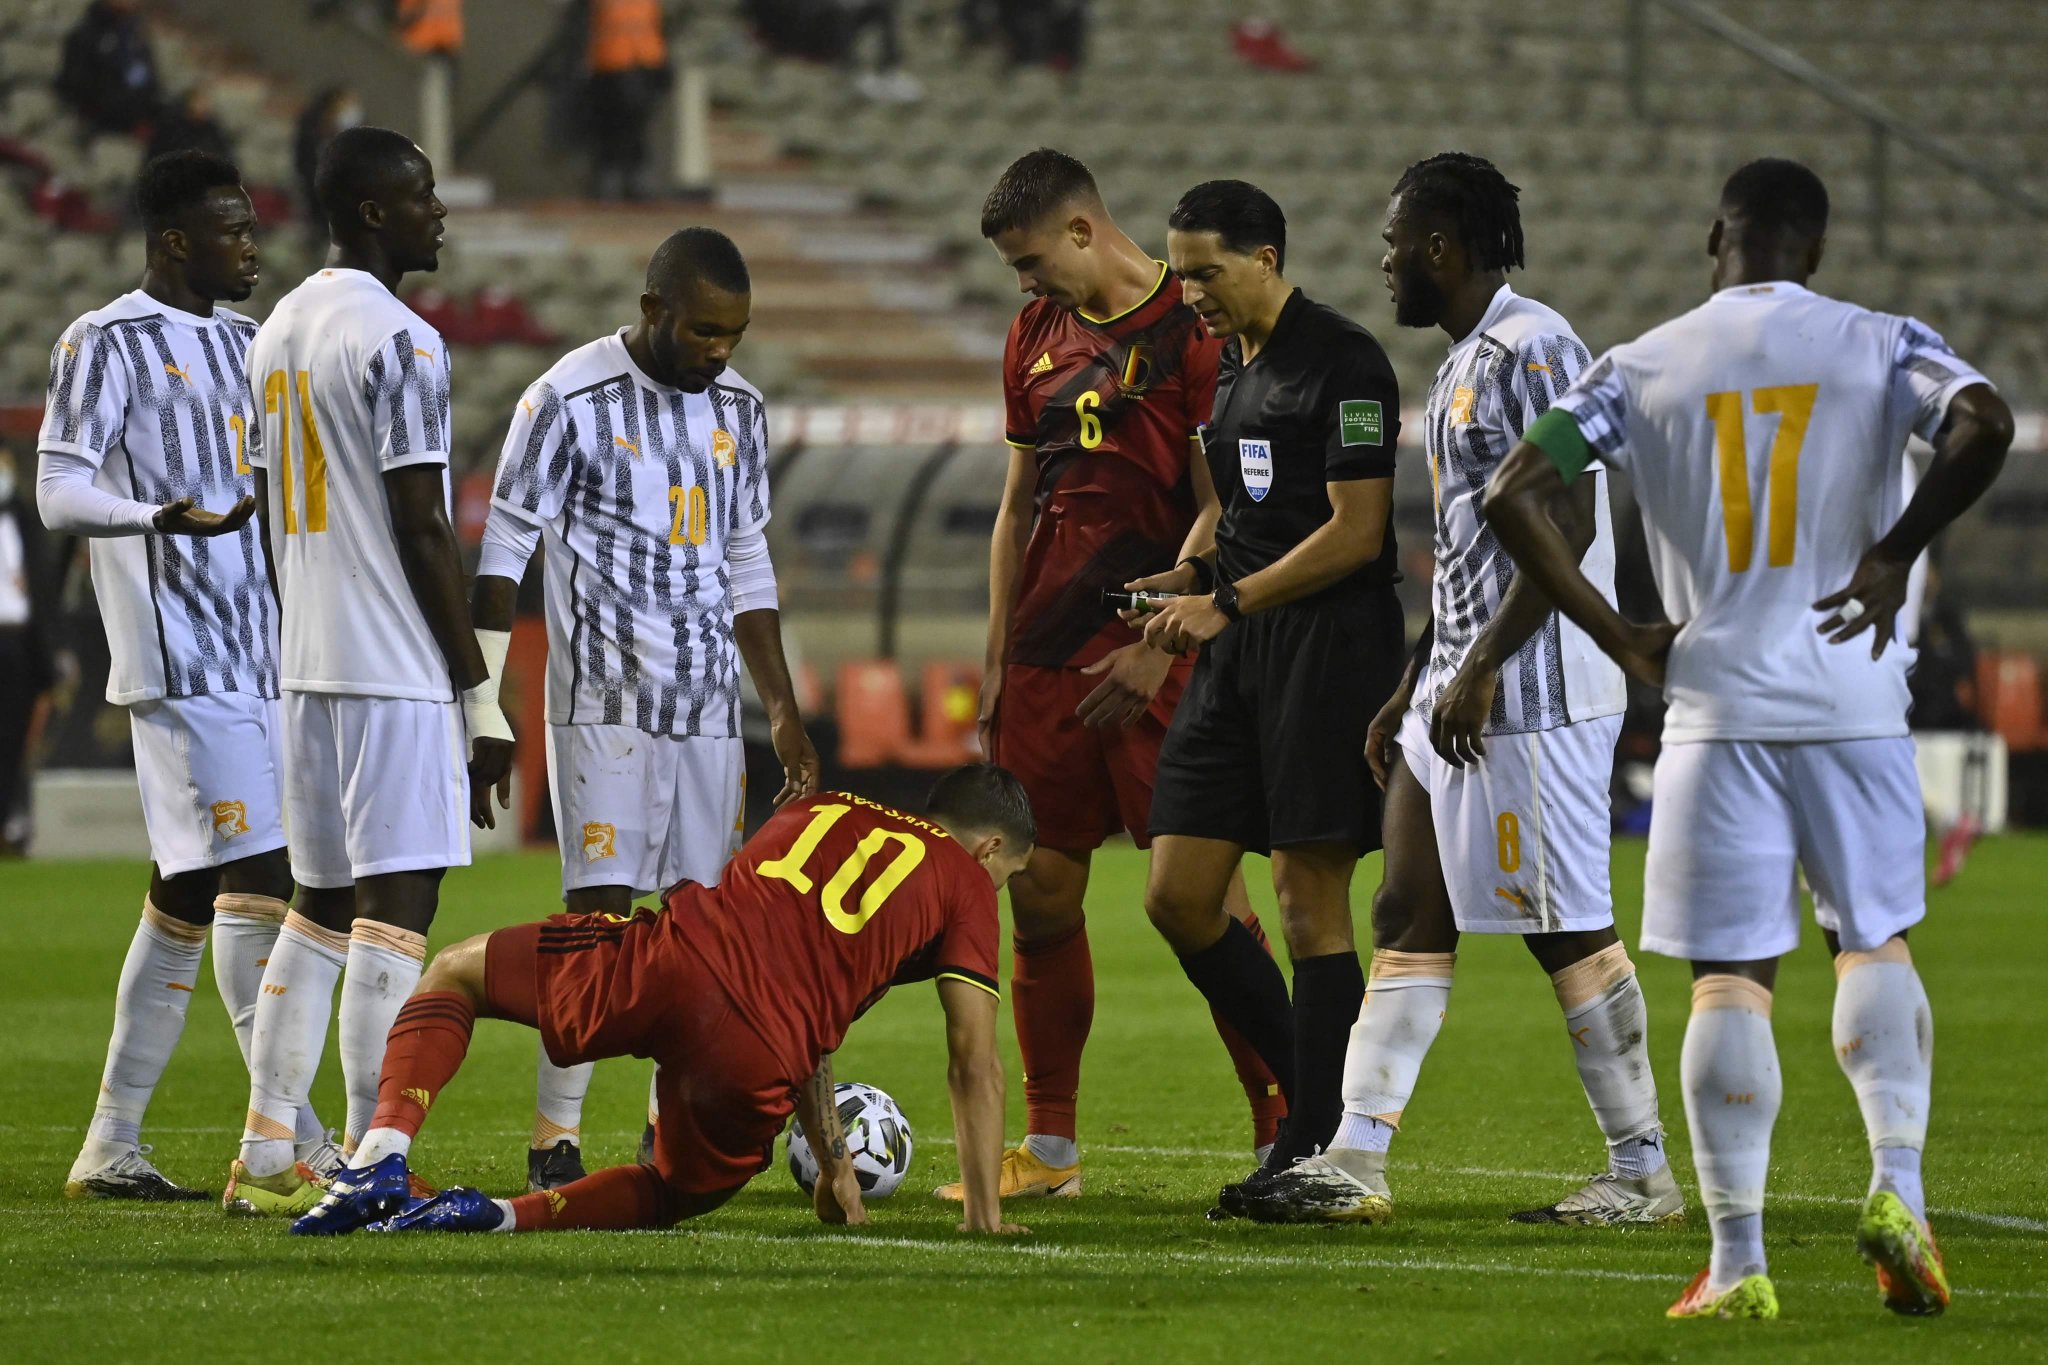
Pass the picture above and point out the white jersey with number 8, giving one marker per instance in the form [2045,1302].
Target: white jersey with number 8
[1763,432]
[348,384]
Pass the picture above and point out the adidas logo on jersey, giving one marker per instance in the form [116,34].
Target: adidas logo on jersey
[1042,365]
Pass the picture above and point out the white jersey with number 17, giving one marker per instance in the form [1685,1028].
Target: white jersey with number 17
[1763,431]
[348,384]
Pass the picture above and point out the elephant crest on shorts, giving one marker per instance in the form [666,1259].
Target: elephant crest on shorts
[597,840]
[230,818]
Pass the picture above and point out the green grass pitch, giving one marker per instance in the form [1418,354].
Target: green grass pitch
[1130,1272]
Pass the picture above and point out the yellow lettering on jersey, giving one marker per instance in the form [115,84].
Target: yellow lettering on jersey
[1793,404]
[1091,425]
[790,866]
[692,521]
[833,902]
[240,426]
[277,406]
[316,457]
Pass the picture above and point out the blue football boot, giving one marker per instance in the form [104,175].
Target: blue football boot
[455,1209]
[358,1197]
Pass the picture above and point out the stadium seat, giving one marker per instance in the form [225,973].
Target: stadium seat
[951,694]
[873,712]
[2009,693]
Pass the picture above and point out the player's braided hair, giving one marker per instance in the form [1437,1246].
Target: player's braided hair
[1777,195]
[173,182]
[984,797]
[1032,187]
[1481,204]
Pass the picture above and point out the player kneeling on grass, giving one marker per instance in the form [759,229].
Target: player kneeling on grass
[740,992]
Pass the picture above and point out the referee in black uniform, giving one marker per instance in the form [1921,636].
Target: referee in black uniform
[1299,629]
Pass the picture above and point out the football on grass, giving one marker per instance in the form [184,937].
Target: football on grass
[877,1136]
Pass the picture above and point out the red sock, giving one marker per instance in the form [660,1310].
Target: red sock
[1052,995]
[1268,1105]
[422,1053]
[613,1199]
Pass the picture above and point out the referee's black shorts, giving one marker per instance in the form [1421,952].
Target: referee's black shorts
[1267,746]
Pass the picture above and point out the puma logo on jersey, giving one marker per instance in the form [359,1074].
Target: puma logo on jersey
[428,356]
[424,1099]
[724,448]
[1513,898]
[526,407]
[69,349]
[1042,365]
[1538,369]
[230,818]
[630,445]
[169,368]
[598,840]
[1579,1035]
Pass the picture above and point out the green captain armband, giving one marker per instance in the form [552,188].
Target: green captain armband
[1558,436]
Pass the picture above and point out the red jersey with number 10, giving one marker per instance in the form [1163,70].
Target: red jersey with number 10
[835,900]
[1108,406]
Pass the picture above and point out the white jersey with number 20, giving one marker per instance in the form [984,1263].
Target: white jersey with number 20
[1763,432]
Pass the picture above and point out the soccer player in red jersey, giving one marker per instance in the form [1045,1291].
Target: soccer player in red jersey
[1106,377]
[741,992]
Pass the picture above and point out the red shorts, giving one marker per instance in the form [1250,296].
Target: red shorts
[1085,783]
[607,986]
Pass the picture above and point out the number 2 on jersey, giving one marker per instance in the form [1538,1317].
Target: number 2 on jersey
[790,868]
[1794,405]
[277,405]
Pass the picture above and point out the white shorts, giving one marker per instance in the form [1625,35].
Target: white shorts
[645,811]
[373,785]
[1523,835]
[211,773]
[1731,820]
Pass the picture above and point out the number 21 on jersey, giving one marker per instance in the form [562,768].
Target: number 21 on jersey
[1794,405]
[277,409]
[832,900]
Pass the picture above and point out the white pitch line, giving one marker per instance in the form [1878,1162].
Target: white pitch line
[2012,1221]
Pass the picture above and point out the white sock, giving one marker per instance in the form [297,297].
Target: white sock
[1362,1133]
[1728,1069]
[384,965]
[149,1015]
[510,1221]
[1053,1151]
[245,927]
[290,1032]
[653,1097]
[1610,1031]
[379,1143]
[1884,1040]
[558,1102]
[1405,1002]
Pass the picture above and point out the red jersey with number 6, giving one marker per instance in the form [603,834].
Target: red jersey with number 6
[835,900]
[1108,406]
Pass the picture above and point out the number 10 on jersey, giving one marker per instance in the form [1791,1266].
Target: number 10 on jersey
[832,900]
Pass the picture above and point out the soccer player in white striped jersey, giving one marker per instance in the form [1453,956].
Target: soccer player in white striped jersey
[142,451]
[1763,431]
[640,463]
[1497,750]
[383,768]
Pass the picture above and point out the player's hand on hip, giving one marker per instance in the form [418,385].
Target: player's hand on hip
[1457,723]
[490,767]
[836,1198]
[186,517]
[1379,736]
[1185,624]
[1135,673]
[985,711]
[1870,602]
[1647,650]
[799,759]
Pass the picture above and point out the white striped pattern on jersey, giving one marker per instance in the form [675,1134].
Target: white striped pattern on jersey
[637,489]
[1504,375]
[157,398]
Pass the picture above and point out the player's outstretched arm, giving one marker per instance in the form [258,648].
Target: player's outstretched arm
[1969,450]
[975,1079]
[1518,502]
[836,1197]
[71,504]
[1458,722]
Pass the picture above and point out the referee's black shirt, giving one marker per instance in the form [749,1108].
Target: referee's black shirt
[1318,405]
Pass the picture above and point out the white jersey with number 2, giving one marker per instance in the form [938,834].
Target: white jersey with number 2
[1763,432]
[348,384]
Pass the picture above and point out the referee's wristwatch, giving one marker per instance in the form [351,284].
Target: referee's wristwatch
[1226,601]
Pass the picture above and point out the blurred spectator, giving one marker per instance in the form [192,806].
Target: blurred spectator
[1943,680]
[1044,32]
[838,31]
[330,111]
[1260,43]
[25,671]
[108,76]
[188,123]
[430,27]
[628,64]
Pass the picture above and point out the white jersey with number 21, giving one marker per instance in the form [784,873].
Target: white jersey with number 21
[1763,431]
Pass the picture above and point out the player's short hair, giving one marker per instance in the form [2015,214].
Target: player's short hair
[1482,206]
[1240,213]
[693,254]
[354,166]
[1032,188]
[981,796]
[171,183]
[1777,195]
